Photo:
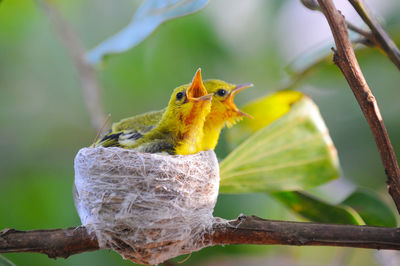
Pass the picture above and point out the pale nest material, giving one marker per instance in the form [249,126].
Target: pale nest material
[147,207]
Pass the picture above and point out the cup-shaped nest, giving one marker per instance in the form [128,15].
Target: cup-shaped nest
[147,207]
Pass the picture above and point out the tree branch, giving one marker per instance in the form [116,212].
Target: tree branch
[87,76]
[358,30]
[345,59]
[254,230]
[380,35]
[53,242]
[244,230]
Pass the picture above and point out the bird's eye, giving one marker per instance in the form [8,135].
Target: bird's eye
[221,92]
[179,95]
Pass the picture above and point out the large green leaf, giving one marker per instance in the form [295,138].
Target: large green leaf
[316,210]
[150,15]
[371,208]
[294,152]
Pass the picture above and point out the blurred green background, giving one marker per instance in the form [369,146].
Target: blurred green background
[44,121]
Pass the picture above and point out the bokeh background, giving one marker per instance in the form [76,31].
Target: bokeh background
[44,121]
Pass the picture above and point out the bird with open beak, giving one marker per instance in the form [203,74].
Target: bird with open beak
[180,128]
[224,111]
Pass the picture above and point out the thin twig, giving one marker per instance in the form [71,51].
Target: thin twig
[244,230]
[89,83]
[365,41]
[360,31]
[382,37]
[345,59]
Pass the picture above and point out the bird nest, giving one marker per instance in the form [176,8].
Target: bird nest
[147,207]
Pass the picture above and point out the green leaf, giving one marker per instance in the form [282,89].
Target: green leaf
[316,210]
[361,207]
[150,15]
[294,152]
[4,261]
[371,208]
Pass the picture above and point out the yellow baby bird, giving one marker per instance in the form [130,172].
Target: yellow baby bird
[180,126]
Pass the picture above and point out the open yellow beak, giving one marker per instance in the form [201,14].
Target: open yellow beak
[229,100]
[196,90]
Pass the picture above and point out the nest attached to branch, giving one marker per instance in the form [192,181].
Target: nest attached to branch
[147,207]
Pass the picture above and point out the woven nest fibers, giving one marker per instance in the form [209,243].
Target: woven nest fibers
[147,207]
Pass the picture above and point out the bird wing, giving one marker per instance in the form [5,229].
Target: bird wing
[125,138]
[126,132]
[130,138]
[139,123]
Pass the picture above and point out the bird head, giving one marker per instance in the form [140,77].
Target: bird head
[223,107]
[189,105]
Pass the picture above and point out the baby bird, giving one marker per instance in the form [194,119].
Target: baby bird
[180,126]
[223,112]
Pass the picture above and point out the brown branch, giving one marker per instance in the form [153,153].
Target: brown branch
[345,59]
[380,35]
[53,242]
[254,230]
[244,230]
[87,76]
